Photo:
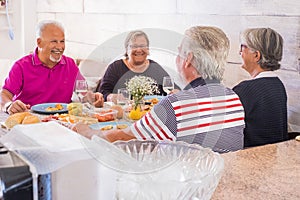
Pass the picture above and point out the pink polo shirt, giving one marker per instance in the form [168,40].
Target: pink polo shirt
[32,82]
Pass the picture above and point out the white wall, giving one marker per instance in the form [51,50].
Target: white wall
[91,23]
[22,15]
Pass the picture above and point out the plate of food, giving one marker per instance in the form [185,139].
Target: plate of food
[152,99]
[105,126]
[50,108]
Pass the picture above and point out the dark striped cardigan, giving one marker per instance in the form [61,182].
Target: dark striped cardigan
[265,104]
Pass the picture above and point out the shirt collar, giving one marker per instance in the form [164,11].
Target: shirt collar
[37,61]
[195,83]
[266,74]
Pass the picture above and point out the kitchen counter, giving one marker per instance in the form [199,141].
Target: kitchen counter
[264,172]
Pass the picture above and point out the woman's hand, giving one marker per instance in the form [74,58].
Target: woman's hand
[95,98]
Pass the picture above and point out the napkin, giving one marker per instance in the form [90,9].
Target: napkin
[51,136]
[47,146]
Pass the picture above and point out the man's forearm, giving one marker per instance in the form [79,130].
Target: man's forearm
[115,135]
[5,99]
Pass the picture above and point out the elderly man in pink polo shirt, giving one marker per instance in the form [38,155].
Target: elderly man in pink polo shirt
[44,76]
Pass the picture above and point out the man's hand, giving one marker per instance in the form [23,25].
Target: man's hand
[17,106]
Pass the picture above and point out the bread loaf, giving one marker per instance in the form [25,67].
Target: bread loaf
[31,119]
[15,119]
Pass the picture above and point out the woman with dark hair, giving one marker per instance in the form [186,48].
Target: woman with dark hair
[263,97]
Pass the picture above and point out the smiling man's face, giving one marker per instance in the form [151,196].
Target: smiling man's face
[51,45]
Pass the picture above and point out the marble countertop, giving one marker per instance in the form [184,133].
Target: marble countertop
[264,172]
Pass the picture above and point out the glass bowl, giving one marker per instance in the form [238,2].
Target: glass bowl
[173,170]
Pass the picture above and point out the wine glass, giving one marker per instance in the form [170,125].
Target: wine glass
[81,89]
[168,84]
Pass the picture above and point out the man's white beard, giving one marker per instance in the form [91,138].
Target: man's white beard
[55,60]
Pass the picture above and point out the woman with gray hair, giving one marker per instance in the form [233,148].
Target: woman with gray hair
[264,97]
[135,63]
[205,112]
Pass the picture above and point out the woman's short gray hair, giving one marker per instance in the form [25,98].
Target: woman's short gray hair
[132,36]
[210,47]
[268,42]
[43,24]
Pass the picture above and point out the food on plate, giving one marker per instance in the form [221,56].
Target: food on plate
[17,118]
[152,101]
[58,106]
[75,109]
[67,118]
[122,126]
[106,128]
[106,115]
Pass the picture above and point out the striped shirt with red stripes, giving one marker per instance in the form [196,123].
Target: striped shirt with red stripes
[210,115]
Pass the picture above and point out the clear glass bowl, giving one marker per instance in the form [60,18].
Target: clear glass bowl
[173,170]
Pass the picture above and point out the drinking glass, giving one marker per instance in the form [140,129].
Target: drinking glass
[81,89]
[123,97]
[168,84]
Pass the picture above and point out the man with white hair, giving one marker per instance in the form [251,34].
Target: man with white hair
[45,76]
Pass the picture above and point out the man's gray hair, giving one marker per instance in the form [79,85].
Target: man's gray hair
[210,49]
[43,24]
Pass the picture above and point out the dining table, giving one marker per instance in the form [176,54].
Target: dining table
[264,172]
